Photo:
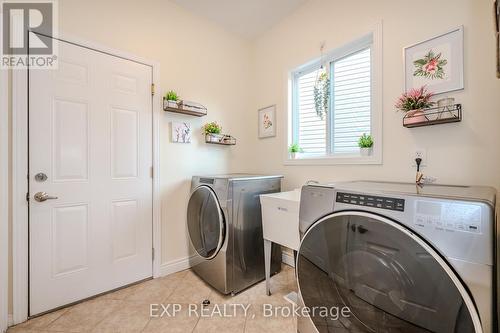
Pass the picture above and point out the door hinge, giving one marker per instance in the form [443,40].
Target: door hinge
[152,88]
[153,253]
[28,196]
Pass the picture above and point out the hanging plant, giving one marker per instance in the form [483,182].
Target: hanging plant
[322,94]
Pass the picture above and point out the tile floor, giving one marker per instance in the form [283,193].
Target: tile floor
[128,310]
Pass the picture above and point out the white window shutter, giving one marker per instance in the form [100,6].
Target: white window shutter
[351,100]
[311,128]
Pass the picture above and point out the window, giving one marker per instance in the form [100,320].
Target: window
[351,106]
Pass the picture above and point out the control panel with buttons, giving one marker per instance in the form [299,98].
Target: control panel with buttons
[448,216]
[371,201]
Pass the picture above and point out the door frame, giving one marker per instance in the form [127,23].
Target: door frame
[20,216]
[4,200]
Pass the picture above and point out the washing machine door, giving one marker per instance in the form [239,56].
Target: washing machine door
[384,277]
[205,221]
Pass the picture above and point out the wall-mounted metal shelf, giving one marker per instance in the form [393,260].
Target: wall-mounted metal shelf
[433,116]
[185,107]
[220,139]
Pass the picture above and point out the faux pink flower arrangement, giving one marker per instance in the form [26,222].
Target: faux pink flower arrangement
[415,99]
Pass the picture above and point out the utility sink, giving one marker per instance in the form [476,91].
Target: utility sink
[280,218]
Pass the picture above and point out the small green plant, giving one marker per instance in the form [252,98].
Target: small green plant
[294,148]
[171,96]
[212,128]
[365,141]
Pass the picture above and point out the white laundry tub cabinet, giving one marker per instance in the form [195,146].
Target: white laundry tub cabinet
[280,223]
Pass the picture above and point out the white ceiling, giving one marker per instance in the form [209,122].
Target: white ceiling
[248,18]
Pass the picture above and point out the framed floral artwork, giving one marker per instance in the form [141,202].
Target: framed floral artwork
[267,122]
[437,63]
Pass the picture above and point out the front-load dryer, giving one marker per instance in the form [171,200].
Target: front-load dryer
[225,228]
[397,258]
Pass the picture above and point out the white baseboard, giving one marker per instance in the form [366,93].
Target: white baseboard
[178,265]
[287,258]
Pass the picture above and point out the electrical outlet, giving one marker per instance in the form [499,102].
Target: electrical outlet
[420,153]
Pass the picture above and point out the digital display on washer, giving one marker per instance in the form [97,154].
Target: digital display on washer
[371,201]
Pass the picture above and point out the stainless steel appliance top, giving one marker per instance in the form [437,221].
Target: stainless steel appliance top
[241,176]
[455,192]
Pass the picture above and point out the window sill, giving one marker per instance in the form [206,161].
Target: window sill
[333,160]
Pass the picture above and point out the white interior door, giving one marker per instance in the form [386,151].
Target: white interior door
[90,133]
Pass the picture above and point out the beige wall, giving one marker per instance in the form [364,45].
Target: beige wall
[462,153]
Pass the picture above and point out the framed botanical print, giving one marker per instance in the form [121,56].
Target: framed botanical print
[267,122]
[181,132]
[437,63]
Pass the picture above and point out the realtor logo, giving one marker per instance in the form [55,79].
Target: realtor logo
[27,31]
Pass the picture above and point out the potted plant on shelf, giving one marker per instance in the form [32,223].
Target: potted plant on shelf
[413,103]
[212,132]
[365,144]
[172,99]
[294,149]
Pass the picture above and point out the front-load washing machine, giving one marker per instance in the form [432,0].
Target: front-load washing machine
[225,228]
[393,257]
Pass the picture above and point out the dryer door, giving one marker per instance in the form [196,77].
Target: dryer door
[389,278]
[205,222]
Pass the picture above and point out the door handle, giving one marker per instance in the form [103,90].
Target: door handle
[42,196]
